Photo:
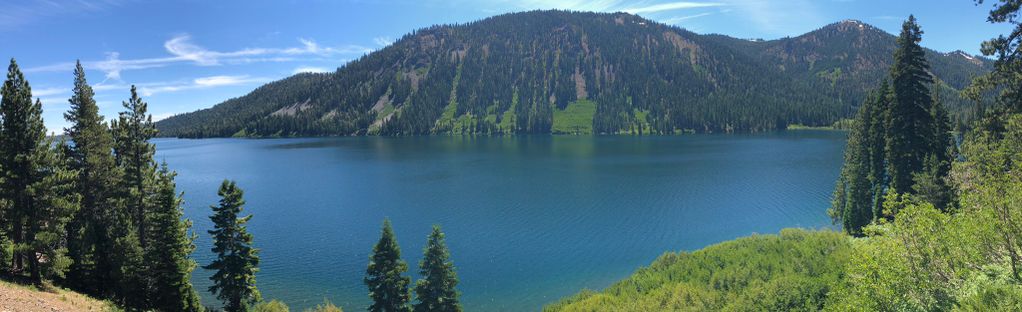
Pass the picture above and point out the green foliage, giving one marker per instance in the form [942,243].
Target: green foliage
[576,118]
[21,135]
[991,184]
[37,196]
[271,306]
[992,288]
[909,126]
[93,243]
[1005,79]
[513,73]
[387,287]
[436,290]
[860,187]
[86,207]
[237,261]
[914,263]
[326,306]
[170,244]
[793,271]
[54,201]
[134,154]
[901,142]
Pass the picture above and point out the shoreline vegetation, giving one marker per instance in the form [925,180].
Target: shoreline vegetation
[926,224]
[840,125]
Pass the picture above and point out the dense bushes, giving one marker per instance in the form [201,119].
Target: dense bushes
[790,271]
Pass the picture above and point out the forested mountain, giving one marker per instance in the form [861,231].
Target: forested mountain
[574,72]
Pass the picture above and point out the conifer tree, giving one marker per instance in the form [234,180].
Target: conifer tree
[128,275]
[1007,50]
[862,180]
[237,261]
[910,124]
[134,154]
[20,135]
[168,249]
[901,143]
[931,184]
[36,182]
[53,204]
[99,261]
[387,287]
[436,290]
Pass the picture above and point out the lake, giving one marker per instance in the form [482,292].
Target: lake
[528,219]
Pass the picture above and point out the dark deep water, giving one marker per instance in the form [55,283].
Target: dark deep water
[528,220]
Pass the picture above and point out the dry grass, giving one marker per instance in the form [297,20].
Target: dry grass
[18,298]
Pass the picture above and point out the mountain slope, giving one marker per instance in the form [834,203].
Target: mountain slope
[555,71]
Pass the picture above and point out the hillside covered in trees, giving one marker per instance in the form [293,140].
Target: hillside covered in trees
[574,72]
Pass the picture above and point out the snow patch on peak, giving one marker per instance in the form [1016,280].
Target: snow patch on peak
[963,54]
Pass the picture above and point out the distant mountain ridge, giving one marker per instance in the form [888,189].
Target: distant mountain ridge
[578,72]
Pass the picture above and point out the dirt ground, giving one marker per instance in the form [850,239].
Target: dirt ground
[17,298]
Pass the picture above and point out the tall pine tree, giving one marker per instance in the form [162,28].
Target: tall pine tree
[931,184]
[901,142]
[134,154]
[857,197]
[387,287]
[106,258]
[910,123]
[168,249]
[20,135]
[436,290]
[54,202]
[237,261]
[36,183]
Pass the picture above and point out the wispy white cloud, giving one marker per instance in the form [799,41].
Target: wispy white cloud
[671,6]
[53,100]
[148,89]
[110,94]
[52,96]
[310,69]
[383,41]
[215,81]
[678,19]
[183,51]
[44,92]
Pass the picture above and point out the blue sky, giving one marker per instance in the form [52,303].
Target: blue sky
[187,55]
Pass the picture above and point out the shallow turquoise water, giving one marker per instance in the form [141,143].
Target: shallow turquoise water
[528,219]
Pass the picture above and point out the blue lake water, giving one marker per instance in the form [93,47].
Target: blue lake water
[528,220]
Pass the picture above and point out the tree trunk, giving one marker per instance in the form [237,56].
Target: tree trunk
[32,254]
[17,237]
[33,263]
